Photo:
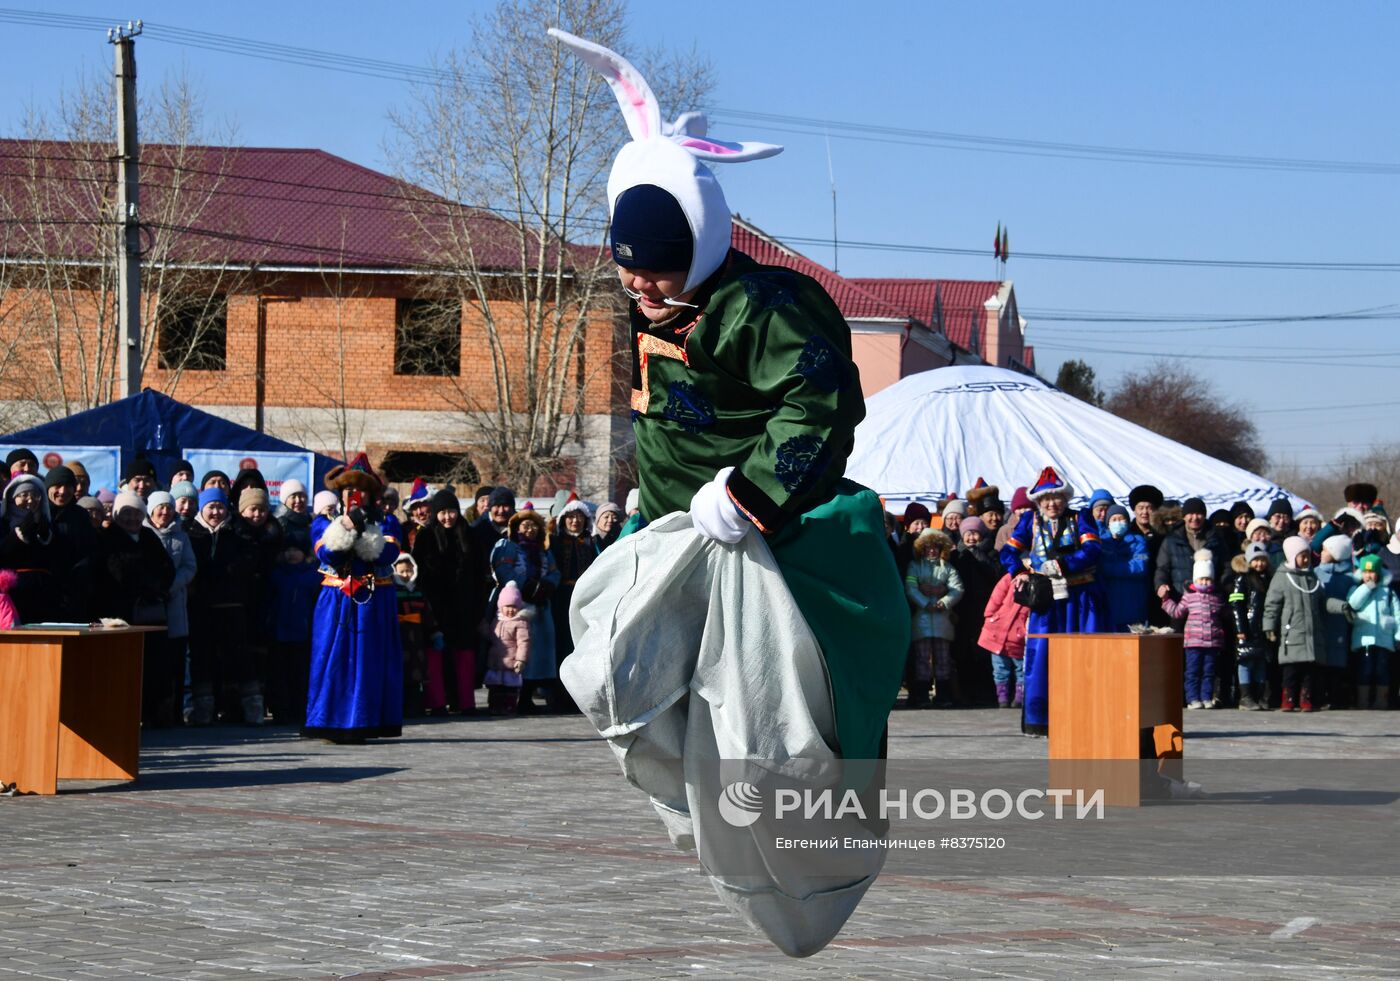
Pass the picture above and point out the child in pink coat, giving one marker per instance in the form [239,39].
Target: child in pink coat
[510,649]
[1004,638]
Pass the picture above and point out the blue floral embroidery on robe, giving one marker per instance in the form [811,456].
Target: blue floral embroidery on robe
[769,289]
[801,460]
[689,407]
[822,366]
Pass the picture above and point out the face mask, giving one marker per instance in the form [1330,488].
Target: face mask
[1117,528]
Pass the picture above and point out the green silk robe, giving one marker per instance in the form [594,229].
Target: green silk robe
[762,379]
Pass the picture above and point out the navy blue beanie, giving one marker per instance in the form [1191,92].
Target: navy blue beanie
[650,231]
[502,495]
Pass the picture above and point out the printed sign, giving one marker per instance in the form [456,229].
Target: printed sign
[103,463]
[276,467]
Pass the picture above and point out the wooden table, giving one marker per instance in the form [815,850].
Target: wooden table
[1115,700]
[70,704]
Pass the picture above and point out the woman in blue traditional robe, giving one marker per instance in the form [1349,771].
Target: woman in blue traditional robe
[356,686]
[1055,541]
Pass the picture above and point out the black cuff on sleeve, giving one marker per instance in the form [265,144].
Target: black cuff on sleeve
[757,506]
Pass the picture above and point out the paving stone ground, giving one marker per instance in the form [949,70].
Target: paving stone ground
[512,848]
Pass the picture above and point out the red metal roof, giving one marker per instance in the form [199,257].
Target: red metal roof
[854,302]
[961,301]
[269,205]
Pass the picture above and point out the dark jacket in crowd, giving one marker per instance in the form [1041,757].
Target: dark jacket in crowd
[1176,558]
[33,556]
[136,576]
[450,575]
[75,561]
[1246,598]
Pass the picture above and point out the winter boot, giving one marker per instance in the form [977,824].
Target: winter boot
[1305,701]
[1003,694]
[251,701]
[1260,693]
[1019,697]
[202,712]
[1288,704]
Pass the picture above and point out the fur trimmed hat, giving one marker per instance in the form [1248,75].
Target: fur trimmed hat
[358,475]
[530,514]
[931,538]
[982,496]
[419,490]
[1364,493]
[1049,483]
[1144,492]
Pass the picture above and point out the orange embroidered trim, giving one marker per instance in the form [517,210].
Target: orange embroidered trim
[647,345]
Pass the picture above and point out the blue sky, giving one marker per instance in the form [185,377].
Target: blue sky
[1277,80]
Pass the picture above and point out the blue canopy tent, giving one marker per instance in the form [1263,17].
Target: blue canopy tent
[165,431]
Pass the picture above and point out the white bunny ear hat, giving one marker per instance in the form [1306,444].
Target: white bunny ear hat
[670,156]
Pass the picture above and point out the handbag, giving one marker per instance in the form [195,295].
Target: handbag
[1035,593]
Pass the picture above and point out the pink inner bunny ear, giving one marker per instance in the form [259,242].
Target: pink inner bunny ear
[638,120]
[722,151]
[634,96]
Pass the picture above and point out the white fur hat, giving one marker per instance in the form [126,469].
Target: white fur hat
[1204,565]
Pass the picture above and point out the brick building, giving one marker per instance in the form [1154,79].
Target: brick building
[319,316]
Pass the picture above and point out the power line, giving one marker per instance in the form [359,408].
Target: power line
[844,129]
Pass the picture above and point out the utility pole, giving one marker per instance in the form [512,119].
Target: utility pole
[128,210]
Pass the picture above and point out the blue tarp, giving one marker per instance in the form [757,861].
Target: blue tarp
[159,428]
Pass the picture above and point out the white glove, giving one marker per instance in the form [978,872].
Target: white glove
[1050,568]
[714,514]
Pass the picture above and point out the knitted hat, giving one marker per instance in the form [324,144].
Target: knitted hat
[972,523]
[666,157]
[444,500]
[1255,550]
[1256,524]
[323,499]
[90,504]
[25,480]
[251,496]
[1193,505]
[210,495]
[419,491]
[510,596]
[184,466]
[608,507]
[483,491]
[139,466]
[390,497]
[1203,564]
[1049,482]
[128,500]
[1219,517]
[1293,546]
[650,230]
[1365,493]
[20,453]
[106,496]
[955,506]
[501,496]
[290,487]
[1339,547]
[60,476]
[1280,505]
[159,497]
[1117,511]
[184,488]
[1370,563]
[1239,508]
[1144,492]
[916,512]
[1019,500]
[204,481]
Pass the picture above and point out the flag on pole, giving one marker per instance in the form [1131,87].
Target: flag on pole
[1005,244]
[996,243]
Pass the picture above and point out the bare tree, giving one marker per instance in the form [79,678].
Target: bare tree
[1324,486]
[1168,398]
[60,208]
[514,148]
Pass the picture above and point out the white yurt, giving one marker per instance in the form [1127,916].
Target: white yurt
[932,434]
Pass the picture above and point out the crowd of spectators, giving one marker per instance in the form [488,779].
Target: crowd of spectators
[1281,609]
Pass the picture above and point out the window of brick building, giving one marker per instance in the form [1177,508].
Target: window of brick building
[192,332]
[427,338]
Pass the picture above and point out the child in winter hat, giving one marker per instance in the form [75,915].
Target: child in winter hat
[1293,617]
[510,649]
[1204,612]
